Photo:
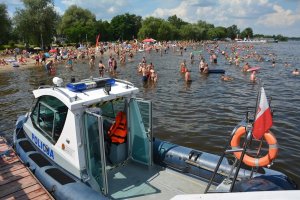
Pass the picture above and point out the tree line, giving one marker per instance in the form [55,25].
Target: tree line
[38,23]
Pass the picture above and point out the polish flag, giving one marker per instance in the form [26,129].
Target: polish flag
[263,120]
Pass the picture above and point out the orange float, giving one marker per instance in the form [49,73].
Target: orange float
[255,162]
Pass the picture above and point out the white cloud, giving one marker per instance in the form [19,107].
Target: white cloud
[59,10]
[103,9]
[180,11]
[111,10]
[279,18]
[257,14]
[243,13]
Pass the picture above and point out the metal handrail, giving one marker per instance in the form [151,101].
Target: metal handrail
[45,86]
[220,160]
[58,89]
[244,123]
[123,81]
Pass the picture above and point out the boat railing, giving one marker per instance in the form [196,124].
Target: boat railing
[45,86]
[228,150]
[123,81]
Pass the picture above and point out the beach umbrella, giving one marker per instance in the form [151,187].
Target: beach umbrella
[37,48]
[52,51]
[149,40]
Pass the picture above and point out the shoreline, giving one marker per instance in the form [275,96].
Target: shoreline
[30,63]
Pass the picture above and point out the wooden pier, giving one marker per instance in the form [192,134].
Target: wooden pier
[16,180]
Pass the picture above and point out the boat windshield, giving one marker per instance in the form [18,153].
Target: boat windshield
[49,116]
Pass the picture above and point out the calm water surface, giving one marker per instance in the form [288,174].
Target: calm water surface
[200,115]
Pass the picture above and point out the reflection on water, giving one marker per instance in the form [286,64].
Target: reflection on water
[201,114]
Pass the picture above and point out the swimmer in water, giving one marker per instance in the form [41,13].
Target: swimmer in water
[296,72]
[246,67]
[226,78]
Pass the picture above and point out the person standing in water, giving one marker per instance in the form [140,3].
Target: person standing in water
[187,76]
[183,67]
[69,64]
[192,57]
[205,69]
[114,66]
[92,62]
[253,76]
[101,68]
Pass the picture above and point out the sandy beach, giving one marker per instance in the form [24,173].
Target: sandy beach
[30,62]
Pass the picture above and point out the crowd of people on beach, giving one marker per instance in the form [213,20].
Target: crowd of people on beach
[238,55]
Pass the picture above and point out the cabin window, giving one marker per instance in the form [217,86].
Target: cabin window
[109,110]
[49,116]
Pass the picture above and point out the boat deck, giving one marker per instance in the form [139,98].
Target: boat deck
[16,180]
[136,181]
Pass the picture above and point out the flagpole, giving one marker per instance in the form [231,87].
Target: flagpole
[261,140]
[257,104]
[248,140]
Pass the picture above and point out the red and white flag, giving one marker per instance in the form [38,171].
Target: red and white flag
[263,120]
[97,40]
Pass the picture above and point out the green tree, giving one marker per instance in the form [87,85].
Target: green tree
[280,38]
[247,33]
[232,31]
[166,31]
[36,22]
[5,24]
[205,25]
[216,33]
[125,26]
[78,25]
[150,28]
[103,28]
[187,31]
[176,22]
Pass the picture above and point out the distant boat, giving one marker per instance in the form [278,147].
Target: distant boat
[272,41]
[251,41]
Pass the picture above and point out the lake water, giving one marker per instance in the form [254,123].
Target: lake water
[200,115]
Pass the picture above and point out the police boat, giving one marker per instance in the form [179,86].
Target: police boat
[93,139]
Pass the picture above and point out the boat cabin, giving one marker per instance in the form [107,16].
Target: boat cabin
[91,127]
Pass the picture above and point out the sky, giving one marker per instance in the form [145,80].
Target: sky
[269,17]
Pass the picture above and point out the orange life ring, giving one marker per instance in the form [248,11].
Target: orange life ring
[255,162]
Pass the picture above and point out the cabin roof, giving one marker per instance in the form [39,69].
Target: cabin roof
[76,100]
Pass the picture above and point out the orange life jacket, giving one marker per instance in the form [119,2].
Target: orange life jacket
[118,131]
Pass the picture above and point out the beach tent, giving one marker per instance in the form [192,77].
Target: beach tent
[149,40]
[52,51]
